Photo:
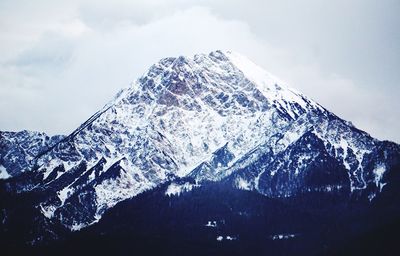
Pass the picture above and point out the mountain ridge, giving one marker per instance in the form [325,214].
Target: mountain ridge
[214,117]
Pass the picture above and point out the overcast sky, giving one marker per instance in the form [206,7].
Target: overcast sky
[60,61]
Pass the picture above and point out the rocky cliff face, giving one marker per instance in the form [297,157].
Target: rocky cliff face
[19,149]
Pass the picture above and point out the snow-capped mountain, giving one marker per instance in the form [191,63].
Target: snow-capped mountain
[188,121]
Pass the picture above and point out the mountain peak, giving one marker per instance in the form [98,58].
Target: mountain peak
[206,117]
[212,79]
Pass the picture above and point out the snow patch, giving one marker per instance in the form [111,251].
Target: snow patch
[228,238]
[243,184]
[48,211]
[379,172]
[283,236]
[77,226]
[3,173]
[63,194]
[175,189]
[211,224]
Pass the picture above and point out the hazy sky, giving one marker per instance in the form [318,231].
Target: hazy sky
[60,61]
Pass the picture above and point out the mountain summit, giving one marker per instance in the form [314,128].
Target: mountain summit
[188,122]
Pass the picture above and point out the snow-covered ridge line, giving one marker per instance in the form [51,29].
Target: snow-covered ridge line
[281,92]
[75,132]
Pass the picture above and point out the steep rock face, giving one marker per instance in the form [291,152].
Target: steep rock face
[19,149]
[215,117]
